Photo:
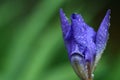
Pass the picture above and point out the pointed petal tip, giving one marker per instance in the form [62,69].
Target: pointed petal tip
[108,12]
[64,24]
[107,16]
[61,11]
[62,14]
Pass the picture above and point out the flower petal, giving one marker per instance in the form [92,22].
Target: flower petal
[65,25]
[102,35]
[79,29]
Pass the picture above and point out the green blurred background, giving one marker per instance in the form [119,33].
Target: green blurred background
[31,43]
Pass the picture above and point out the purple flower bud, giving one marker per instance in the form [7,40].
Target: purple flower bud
[83,44]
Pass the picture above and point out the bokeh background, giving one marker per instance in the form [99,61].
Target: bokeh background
[31,43]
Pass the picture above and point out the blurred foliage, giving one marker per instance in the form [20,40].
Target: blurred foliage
[31,44]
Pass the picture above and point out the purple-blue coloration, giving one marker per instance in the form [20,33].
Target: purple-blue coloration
[83,44]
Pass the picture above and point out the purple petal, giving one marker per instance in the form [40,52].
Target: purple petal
[65,25]
[102,33]
[84,36]
[79,29]
[102,36]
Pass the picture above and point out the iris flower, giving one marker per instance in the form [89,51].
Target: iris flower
[84,45]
